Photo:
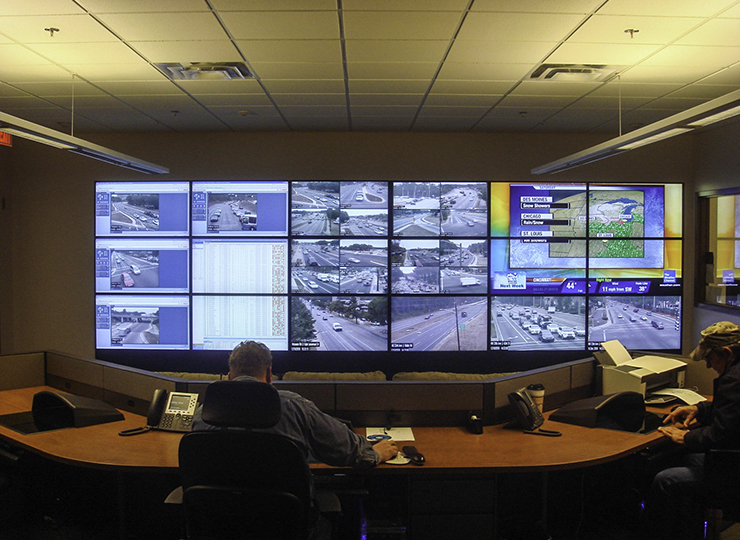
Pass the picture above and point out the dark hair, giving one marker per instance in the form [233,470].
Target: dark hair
[250,358]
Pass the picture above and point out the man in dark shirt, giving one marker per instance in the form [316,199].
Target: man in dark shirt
[675,502]
[320,436]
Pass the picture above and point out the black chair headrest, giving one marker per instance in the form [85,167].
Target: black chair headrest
[244,404]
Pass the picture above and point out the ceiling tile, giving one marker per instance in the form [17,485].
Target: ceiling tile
[685,55]
[72,29]
[678,8]
[406,112]
[518,26]
[599,53]
[461,100]
[661,75]
[581,7]
[187,51]
[527,102]
[242,101]
[400,25]
[471,87]
[398,86]
[412,100]
[298,70]
[395,51]
[406,5]
[139,88]
[483,71]
[455,111]
[382,123]
[40,7]
[730,75]
[390,70]
[310,99]
[274,5]
[40,73]
[286,25]
[704,91]
[168,103]
[239,86]
[79,53]
[122,72]
[303,110]
[718,32]
[327,86]
[615,88]
[296,50]
[330,123]
[142,6]
[520,52]
[235,114]
[437,123]
[17,55]
[676,103]
[554,88]
[253,122]
[164,26]
[652,30]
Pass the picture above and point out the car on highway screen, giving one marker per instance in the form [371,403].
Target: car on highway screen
[400,267]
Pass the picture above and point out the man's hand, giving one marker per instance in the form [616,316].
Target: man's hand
[682,416]
[387,450]
[675,433]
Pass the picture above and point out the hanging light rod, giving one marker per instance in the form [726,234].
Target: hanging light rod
[35,132]
[697,117]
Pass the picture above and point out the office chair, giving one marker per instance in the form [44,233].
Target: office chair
[722,481]
[240,483]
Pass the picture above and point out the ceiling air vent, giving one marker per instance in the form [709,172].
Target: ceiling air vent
[573,72]
[220,71]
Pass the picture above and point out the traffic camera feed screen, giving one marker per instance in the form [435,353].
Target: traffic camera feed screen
[395,267]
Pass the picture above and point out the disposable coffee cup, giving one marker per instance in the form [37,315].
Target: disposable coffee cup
[537,393]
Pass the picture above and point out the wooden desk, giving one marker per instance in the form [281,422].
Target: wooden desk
[447,449]
[450,453]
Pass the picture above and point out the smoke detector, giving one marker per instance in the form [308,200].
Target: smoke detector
[194,71]
[573,72]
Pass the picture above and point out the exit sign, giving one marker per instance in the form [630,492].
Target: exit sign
[6,139]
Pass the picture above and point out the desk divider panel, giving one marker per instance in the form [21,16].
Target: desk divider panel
[21,370]
[132,389]
[563,383]
[75,375]
[409,403]
[365,403]
[322,393]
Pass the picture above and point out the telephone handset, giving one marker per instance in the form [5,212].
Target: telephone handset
[529,415]
[525,410]
[168,411]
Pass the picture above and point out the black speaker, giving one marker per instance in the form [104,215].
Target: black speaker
[624,411]
[54,410]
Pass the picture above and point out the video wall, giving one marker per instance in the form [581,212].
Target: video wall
[399,267]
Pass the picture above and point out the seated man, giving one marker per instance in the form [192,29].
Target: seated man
[675,507]
[320,436]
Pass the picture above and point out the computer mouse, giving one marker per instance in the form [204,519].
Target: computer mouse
[417,459]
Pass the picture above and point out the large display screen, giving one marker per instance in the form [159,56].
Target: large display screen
[411,269]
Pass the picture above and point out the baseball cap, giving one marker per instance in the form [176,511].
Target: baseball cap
[720,334]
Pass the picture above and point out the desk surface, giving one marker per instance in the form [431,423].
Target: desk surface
[447,449]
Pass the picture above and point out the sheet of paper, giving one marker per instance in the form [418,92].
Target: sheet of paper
[684,394]
[396,433]
[658,364]
[616,352]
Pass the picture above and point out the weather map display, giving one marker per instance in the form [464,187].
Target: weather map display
[398,267]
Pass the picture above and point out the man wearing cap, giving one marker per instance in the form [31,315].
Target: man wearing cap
[674,504]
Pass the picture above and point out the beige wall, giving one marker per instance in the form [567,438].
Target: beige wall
[46,263]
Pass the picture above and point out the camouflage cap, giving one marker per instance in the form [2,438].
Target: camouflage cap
[716,336]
